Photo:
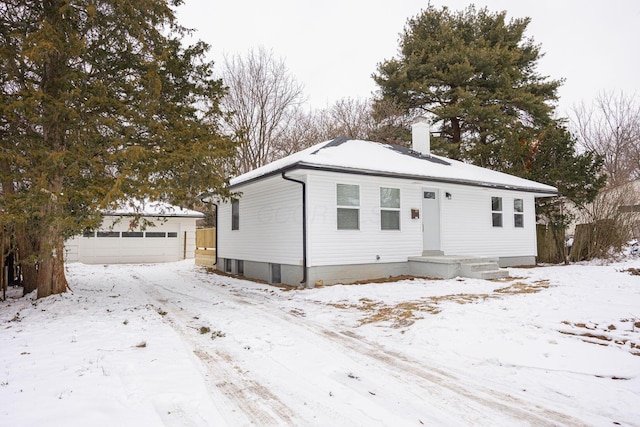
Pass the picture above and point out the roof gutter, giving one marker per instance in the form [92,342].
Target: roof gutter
[304,225]
[309,166]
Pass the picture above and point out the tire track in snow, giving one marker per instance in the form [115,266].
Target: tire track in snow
[496,400]
[517,408]
[472,401]
[244,397]
[406,370]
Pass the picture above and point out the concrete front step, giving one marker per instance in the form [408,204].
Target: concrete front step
[488,274]
[449,266]
[478,266]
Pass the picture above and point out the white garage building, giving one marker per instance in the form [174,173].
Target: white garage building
[120,241]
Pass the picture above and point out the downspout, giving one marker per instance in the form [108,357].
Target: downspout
[216,236]
[304,226]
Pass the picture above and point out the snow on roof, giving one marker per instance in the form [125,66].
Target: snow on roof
[350,155]
[149,208]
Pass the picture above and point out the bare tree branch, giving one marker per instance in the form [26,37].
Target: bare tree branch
[611,127]
[262,100]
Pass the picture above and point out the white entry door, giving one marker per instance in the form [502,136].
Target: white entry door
[431,219]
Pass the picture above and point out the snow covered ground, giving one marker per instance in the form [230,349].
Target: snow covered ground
[173,345]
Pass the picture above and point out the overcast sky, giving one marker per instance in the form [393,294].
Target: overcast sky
[333,46]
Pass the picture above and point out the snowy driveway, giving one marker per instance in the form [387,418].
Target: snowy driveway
[173,345]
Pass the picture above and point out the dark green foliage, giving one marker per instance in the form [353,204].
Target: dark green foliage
[99,103]
[552,159]
[474,74]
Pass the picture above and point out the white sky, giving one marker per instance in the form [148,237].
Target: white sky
[333,46]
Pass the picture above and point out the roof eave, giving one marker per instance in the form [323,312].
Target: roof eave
[311,166]
[154,215]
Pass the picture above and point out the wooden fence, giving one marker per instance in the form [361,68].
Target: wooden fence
[550,245]
[206,247]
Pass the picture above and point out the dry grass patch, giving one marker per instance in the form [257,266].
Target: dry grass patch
[632,271]
[405,313]
[625,337]
[524,288]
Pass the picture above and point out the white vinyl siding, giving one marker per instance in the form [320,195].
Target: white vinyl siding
[330,246]
[467,231]
[271,228]
[271,223]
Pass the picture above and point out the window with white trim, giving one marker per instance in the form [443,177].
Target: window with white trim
[235,215]
[518,213]
[496,211]
[389,208]
[348,206]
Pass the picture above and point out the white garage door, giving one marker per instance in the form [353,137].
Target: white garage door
[113,247]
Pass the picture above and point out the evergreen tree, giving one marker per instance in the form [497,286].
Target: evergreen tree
[100,103]
[475,74]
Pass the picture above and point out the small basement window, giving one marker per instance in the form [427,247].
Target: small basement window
[227,265]
[518,213]
[276,276]
[240,267]
[348,206]
[235,215]
[496,211]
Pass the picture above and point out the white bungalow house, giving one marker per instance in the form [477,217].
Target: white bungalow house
[347,210]
[119,240]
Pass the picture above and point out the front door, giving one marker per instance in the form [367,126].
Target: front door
[431,219]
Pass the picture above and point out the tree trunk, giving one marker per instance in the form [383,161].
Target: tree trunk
[456,131]
[51,278]
[29,277]
[28,257]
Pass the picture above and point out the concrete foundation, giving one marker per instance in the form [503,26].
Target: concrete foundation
[432,265]
[516,261]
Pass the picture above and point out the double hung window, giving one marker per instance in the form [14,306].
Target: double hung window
[348,206]
[496,211]
[518,213]
[389,208]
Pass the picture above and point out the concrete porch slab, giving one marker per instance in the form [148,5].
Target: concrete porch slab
[450,266]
